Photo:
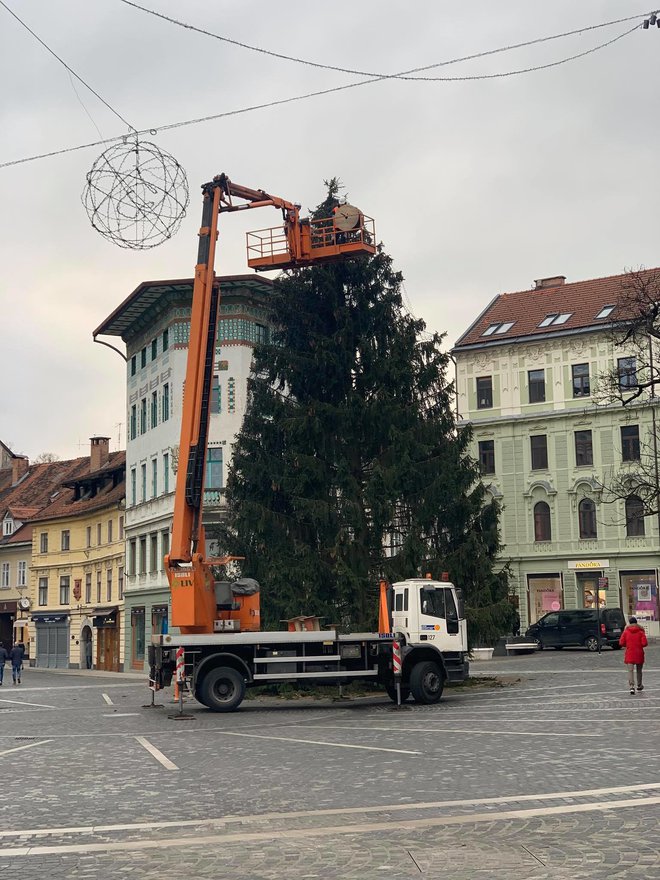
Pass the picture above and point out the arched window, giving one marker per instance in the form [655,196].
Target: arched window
[587,518]
[542,526]
[634,517]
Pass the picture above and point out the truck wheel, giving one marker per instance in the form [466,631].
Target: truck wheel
[391,693]
[426,682]
[222,689]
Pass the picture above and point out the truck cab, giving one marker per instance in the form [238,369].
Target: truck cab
[430,612]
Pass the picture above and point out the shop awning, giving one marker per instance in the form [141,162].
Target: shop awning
[45,617]
[105,616]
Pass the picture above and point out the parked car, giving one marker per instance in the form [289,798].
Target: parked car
[559,629]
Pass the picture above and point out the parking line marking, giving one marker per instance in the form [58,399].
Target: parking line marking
[121,715]
[446,730]
[107,699]
[313,742]
[327,831]
[158,755]
[332,811]
[28,746]
[25,703]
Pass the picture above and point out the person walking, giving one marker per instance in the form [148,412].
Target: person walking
[4,656]
[16,657]
[633,639]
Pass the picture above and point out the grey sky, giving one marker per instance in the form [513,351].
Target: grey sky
[476,188]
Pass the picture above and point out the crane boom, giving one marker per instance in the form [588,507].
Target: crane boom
[297,243]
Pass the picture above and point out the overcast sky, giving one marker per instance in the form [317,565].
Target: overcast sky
[476,187]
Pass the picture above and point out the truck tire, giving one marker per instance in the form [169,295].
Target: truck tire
[222,689]
[391,693]
[426,682]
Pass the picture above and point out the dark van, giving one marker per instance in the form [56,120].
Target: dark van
[559,629]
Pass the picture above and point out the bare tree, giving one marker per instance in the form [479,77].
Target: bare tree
[632,382]
[45,457]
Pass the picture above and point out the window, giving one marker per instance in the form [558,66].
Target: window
[551,619]
[154,477]
[143,416]
[166,401]
[166,472]
[65,540]
[498,328]
[584,452]
[581,386]
[587,518]
[22,574]
[536,380]
[487,456]
[154,409]
[164,546]
[109,531]
[43,542]
[133,422]
[4,576]
[132,561]
[555,318]
[98,586]
[143,358]
[88,588]
[166,339]
[539,447]
[108,585]
[159,620]
[64,589]
[43,591]
[143,555]
[133,487]
[635,527]
[542,525]
[154,566]
[630,450]
[8,527]
[484,392]
[137,636]
[216,395]
[214,468]
[605,312]
[154,349]
[261,334]
[88,538]
[143,481]
[120,583]
[121,528]
[231,395]
[99,537]
[133,365]
[432,602]
[627,371]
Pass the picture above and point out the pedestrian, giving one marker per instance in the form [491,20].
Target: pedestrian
[633,639]
[16,657]
[4,656]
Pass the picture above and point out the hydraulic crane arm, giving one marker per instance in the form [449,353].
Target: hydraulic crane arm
[194,603]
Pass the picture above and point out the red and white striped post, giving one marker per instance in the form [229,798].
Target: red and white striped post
[396,667]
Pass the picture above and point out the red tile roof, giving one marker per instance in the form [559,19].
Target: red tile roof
[583,300]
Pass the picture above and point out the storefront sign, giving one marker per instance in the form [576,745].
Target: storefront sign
[581,564]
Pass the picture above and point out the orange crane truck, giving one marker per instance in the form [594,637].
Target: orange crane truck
[220,649]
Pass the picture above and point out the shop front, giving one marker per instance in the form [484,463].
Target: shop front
[52,637]
[7,615]
[106,622]
[639,597]
[545,592]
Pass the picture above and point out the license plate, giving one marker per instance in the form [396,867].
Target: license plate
[616,630]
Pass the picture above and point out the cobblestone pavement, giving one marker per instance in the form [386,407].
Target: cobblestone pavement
[556,775]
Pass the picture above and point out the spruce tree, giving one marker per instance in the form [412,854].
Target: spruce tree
[349,467]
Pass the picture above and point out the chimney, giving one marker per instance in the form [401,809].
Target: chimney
[555,281]
[20,465]
[100,452]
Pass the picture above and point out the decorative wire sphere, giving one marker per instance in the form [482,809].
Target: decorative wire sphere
[136,194]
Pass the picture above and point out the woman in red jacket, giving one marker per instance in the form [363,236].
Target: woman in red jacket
[633,639]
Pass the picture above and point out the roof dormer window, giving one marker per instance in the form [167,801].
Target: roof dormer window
[499,328]
[556,318]
[605,312]
[7,526]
